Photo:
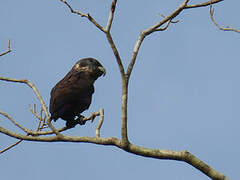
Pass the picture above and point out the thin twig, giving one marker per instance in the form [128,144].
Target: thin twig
[91,117]
[152,29]
[111,15]
[8,50]
[14,122]
[11,146]
[165,27]
[33,87]
[88,16]
[162,15]
[101,119]
[33,111]
[211,12]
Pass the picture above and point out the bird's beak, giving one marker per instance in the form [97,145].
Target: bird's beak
[102,69]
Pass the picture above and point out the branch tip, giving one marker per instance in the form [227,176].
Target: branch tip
[101,119]
[113,5]
[8,50]
[203,4]
[227,28]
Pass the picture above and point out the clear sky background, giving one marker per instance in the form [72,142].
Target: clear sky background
[183,94]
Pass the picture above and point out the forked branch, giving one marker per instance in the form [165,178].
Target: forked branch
[44,107]
[154,28]
[8,50]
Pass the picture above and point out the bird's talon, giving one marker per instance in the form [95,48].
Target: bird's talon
[80,120]
[70,124]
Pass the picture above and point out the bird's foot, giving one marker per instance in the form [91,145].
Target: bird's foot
[80,120]
[71,124]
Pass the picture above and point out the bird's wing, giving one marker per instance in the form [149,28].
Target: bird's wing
[70,89]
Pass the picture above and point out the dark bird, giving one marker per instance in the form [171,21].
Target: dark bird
[73,94]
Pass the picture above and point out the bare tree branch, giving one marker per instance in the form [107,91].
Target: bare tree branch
[88,16]
[203,4]
[162,15]
[152,29]
[11,146]
[101,114]
[44,107]
[14,122]
[39,133]
[110,18]
[42,120]
[211,12]
[8,50]
[146,152]
[165,27]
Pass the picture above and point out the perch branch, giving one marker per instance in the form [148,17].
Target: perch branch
[8,50]
[41,133]
[92,116]
[211,12]
[145,152]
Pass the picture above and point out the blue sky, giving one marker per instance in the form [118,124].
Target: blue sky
[183,94]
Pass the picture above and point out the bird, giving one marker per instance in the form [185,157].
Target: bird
[73,94]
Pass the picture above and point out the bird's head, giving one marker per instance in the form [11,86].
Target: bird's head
[91,67]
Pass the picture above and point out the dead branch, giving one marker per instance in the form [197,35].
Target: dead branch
[88,16]
[162,15]
[203,4]
[38,132]
[44,107]
[211,12]
[101,114]
[11,146]
[184,156]
[34,112]
[42,120]
[14,122]
[149,31]
[8,50]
